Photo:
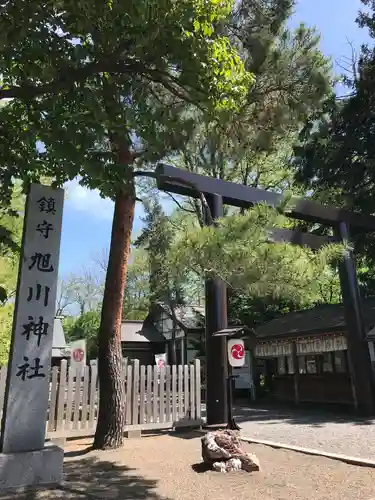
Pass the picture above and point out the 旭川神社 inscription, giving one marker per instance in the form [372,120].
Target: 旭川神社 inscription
[26,398]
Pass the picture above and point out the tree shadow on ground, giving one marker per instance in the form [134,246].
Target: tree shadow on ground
[78,453]
[91,478]
[95,478]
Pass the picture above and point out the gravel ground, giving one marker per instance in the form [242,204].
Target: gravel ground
[323,431]
[166,467]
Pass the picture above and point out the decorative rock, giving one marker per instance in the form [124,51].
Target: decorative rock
[230,465]
[222,451]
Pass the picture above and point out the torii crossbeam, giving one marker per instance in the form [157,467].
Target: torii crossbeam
[219,192]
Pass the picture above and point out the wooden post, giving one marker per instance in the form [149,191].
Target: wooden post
[251,374]
[296,372]
[358,352]
[216,347]
[197,364]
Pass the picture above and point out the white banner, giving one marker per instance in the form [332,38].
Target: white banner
[273,349]
[321,344]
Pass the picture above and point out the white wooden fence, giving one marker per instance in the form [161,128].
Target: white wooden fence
[155,398]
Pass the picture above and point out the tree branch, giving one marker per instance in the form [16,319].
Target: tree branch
[144,173]
[70,76]
[201,196]
[181,207]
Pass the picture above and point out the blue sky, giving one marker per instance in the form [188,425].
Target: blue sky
[87,218]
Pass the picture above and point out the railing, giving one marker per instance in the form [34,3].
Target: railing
[156,398]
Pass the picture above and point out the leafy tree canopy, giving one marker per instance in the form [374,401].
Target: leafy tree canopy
[85,326]
[81,75]
[335,157]
[293,80]
[238,251]
[10,242]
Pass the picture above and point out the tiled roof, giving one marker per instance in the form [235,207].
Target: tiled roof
[140,331]
[190,317]
[328,317]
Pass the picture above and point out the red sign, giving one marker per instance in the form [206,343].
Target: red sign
[237,351]
[161,363]
[78,355]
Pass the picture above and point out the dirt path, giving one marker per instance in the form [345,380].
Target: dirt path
[345,434]
[167,467]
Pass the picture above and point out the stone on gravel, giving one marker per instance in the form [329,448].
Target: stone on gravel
[222,452]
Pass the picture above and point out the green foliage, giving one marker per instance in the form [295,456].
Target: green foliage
[11,221]
[255,310]
[335,157]
[85,326]
[137,290]
[156,238]
[238,251]
[292,82]
[6,321]
[84,77]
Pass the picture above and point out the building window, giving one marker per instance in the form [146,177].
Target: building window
[311,364]
[327,362]
[302,364]
[340,361]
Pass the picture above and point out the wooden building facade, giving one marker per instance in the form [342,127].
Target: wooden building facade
[303,357]
[161,331]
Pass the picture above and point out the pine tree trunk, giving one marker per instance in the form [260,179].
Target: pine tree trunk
[111,419]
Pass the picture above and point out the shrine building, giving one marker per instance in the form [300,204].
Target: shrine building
[302,356]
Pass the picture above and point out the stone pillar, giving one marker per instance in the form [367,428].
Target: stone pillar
[24,459]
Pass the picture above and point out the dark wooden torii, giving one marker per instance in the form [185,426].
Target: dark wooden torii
[217,193]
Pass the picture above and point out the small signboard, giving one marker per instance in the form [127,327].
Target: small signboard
[78,354]
[236,352]
[76,351]
[161,360]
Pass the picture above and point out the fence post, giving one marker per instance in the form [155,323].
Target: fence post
[186,393]
[93,395]
[149,395]
[135,410]
[52,400]
[77,397]
[85,396]
[168,394]
[142,383]
[198,403]
[192,392]
[128,403]
[174,393]
[61,395]
[155,394]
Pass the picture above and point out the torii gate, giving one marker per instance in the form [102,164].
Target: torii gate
[217,193]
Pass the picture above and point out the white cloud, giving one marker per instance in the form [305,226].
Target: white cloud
[87,200]
[91,203]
